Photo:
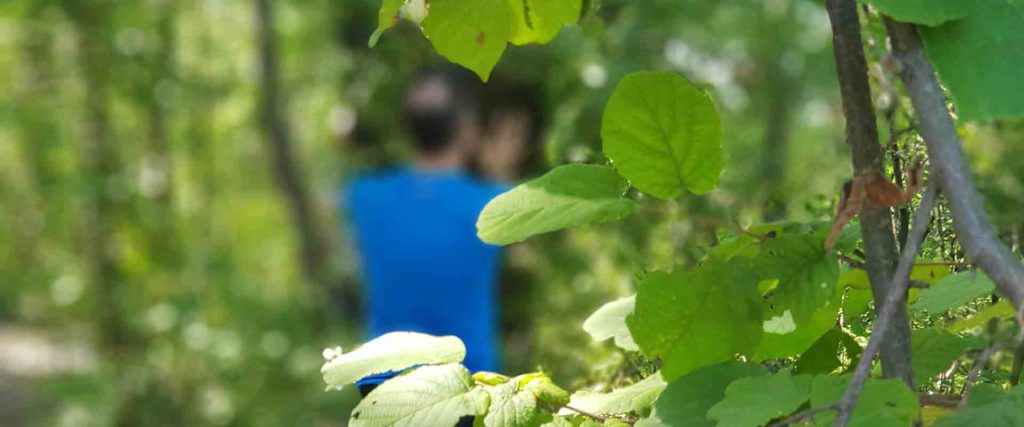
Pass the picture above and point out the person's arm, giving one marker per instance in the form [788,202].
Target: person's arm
[504,145]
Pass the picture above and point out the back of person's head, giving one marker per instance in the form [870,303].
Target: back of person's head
[437,104]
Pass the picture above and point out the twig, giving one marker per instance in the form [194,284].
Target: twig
[850,261]
[948,167]
[599,418]
[804,415]
[941,400]
[1018,364]
[972,376]
[895,298]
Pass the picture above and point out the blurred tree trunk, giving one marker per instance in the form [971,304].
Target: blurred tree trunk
[99,165]
[782,94]
[315,258]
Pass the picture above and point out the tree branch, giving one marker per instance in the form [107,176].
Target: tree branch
[949,169]
[972,376]
[804,415]
[894,301]
[876,226]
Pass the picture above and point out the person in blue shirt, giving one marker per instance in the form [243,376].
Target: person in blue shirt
[424,267]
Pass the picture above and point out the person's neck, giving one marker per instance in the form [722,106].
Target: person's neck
[447,160]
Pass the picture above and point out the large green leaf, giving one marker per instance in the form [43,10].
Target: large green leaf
[785,337]
[823,356]
[933,350]
[979,59]
[624,400]
[685,402]
[427,396]
[510,406]
[754,401]
[539,21]
[1002,310]
[951,292]
[663,134]
[997,410]
[471,33]
[926,12]
[567,196]
[807,277]
[699,317]
[393,351]
[882,403]
[609,321]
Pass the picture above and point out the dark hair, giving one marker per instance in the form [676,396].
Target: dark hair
[436,102]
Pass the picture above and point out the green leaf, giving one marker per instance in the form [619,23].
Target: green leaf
[471,33]
[699,317]
[609,321]
[510,406]
[427,396]
[567,196]
[539,21]
[1002,309]
[685,402]
[886,402]
[925,12]
[823,356]
[386,18]
[663,134]
[624,400]
[754,401]
[807,276]
[800,336]
[952,292]
[933,350]
[995,411]
[979,59]
[543,388]
[389,352]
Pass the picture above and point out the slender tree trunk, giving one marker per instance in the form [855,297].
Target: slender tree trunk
[875,222]
[776,141]
[314,256]
[99,165]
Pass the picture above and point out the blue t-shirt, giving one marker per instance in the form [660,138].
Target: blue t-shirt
[424,267]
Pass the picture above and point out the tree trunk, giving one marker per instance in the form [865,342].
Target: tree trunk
[875,222]
[314,256]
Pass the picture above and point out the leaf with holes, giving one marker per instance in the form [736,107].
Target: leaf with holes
[663,134]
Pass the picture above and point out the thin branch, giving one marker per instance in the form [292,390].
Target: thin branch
[949,169]
[599,418]
[805,415]
[850,261]
[972,376]
[941,400]
[880,251]
[895,299]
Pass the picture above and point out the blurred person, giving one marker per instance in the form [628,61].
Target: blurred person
[424,268]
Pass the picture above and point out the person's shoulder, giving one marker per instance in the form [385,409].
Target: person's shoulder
[483,188]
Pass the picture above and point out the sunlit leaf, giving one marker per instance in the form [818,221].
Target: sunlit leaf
[567,196]
[663,134]
[393,351]
[620,401]
[609,321]
[471,33]
[952,292]
[539,21]
[427,396]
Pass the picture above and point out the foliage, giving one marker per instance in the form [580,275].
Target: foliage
[769,293]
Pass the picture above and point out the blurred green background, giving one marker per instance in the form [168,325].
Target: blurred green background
[162,264]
